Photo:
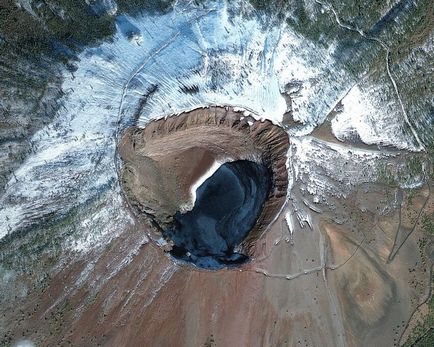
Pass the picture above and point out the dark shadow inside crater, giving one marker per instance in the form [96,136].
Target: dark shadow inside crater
[227,206]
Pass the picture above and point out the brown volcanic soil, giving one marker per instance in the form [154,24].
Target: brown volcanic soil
[130,293]
[328,285]
[162,161]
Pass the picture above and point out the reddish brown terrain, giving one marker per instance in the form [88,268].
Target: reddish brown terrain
[328,283]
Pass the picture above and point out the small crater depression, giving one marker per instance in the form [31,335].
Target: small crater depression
[208,182]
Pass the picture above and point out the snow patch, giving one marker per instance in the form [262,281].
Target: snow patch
[365,117]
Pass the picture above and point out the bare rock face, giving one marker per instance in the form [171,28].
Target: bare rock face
[163,161]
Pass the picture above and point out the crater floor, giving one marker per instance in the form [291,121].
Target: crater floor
[226,208]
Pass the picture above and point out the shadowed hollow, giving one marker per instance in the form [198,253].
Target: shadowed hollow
[227,206]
